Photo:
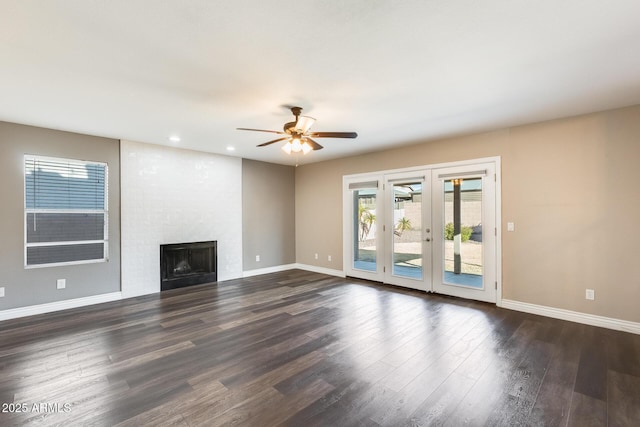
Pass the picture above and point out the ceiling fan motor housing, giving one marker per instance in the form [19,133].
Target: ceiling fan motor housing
[288,127]
[291,125]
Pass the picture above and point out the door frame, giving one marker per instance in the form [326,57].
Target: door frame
[347,210]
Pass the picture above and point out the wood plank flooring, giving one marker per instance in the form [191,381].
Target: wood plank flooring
[304,349]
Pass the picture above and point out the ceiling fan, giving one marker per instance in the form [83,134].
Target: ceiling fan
[298,135]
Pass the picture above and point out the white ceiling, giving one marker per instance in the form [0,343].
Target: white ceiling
[396,72]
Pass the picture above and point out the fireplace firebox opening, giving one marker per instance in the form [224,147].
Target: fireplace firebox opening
[187,264]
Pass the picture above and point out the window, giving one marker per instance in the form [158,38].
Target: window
[66,212]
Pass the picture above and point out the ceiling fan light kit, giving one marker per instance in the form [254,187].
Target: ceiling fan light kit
[295,146]
[298,135]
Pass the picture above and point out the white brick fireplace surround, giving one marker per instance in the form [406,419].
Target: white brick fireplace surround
[170,195]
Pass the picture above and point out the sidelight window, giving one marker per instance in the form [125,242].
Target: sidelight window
[66,211]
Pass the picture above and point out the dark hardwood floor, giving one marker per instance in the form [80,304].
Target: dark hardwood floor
[304,349]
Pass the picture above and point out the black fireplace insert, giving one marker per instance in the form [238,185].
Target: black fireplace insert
[187,264]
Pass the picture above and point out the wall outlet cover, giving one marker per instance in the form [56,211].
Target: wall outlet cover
[61,283]
[590,294]
[2,292]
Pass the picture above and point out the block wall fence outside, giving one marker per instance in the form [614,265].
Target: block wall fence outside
[173,195]
[471,212]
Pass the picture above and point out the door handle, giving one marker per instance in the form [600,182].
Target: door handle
[427,239]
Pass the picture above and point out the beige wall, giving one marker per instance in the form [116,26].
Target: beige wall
[569,185]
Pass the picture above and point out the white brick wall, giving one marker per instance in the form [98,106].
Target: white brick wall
[171,196]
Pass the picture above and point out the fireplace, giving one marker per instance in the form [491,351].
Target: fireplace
[187,264]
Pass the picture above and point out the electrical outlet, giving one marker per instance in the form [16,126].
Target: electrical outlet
[61,284]
[329,258]
[511,226]
[316,256]
[257,258]
[2,292]
[590,294]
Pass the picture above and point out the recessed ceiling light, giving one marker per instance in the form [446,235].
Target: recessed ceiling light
[230,148]
[174,138]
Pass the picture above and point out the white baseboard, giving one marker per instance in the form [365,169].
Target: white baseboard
[267,270]
[323,270]
[573,316]
[14,313]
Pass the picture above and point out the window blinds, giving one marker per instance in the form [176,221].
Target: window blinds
[66,212]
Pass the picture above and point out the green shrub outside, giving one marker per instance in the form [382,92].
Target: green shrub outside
[465,232]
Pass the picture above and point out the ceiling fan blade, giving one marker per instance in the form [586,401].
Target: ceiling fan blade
[333,134]
[271,142]
[263,130]
[313,144]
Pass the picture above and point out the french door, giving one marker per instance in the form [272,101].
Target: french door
[407,230]
[432,228]
[364,236]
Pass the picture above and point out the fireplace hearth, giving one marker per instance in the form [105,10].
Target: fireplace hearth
[188,264]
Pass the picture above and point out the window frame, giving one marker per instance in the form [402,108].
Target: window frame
[27,211]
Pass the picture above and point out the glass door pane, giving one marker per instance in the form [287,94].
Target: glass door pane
[407,230]
[463,232]
[365,227]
